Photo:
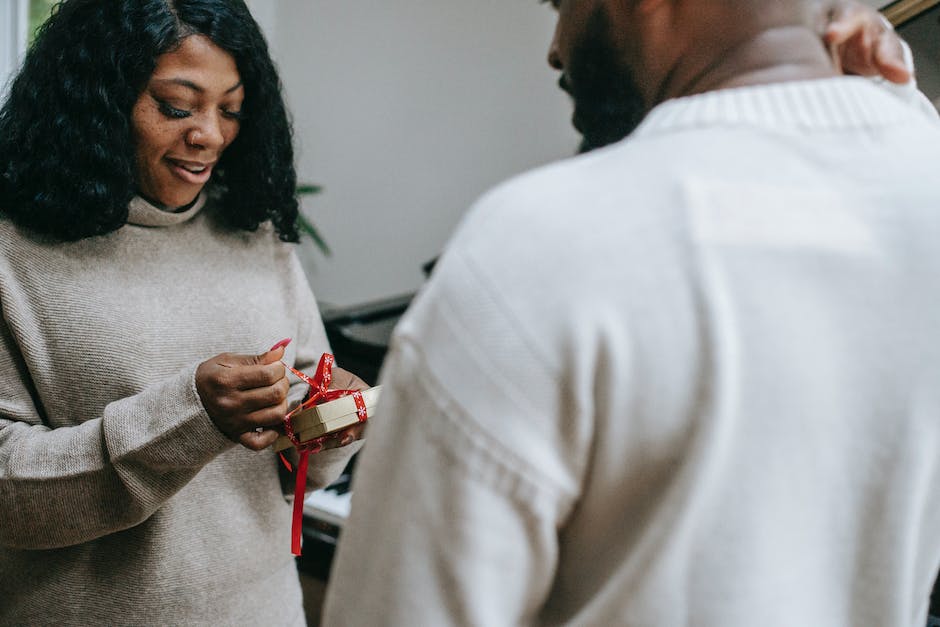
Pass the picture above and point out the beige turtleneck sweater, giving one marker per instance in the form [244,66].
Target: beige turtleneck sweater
[120,501]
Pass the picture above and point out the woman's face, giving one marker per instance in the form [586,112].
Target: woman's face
[187,115]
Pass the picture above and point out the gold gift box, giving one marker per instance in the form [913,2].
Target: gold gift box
[328,417]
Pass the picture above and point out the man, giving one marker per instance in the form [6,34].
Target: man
[688,379]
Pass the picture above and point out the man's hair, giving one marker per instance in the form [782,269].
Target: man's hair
[67,153]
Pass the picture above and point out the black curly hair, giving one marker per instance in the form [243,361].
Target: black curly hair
[67,164]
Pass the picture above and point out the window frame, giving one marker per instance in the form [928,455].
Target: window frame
[903,11]
[14,25]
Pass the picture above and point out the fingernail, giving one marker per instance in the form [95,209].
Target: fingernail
[280,344]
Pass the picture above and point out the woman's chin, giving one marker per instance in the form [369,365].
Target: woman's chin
[172,202]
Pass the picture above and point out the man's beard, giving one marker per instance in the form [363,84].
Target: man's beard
[608,104]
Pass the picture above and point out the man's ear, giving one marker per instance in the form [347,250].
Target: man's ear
[635,7]
[631,14]
[648,7]
[645,12]
[657,13]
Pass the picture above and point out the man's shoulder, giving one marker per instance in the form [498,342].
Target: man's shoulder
[560,233]
[552,198]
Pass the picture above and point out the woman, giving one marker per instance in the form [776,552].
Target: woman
[146,179]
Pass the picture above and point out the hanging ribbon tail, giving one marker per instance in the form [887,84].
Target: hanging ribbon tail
[317,394]
[300,488]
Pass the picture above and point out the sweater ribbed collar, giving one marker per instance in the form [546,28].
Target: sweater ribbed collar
[823,104]
[144,213]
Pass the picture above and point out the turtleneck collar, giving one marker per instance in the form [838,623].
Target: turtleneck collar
[144,213]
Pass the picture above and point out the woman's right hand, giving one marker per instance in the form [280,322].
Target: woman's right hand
[245,393]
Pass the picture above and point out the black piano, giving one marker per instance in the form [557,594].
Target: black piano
[359,337]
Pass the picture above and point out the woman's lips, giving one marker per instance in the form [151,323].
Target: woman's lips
[191,171]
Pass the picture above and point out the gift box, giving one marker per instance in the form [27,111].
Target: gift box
[328,417]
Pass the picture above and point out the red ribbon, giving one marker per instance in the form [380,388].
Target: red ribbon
[318,393]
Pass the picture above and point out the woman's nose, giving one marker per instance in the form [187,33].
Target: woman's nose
[206,134]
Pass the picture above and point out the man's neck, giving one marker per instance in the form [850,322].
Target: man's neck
[785,53]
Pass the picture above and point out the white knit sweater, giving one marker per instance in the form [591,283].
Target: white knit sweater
[691,379]
[120,501]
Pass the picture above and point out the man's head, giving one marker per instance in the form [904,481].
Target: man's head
[620,58]
[608,103]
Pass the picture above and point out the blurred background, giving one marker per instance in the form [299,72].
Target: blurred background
[405,112]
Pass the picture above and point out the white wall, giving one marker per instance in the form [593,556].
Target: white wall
[265,13]
[406,112]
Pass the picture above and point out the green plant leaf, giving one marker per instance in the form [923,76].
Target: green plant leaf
[304,223]
[306,226]
[306,189]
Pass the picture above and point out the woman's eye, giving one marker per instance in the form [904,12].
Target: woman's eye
[172,112]
[233,115]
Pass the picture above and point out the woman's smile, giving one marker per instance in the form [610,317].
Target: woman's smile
[192,172]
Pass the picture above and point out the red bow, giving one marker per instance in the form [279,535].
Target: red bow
[318,393]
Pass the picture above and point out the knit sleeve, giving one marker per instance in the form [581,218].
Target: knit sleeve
[65,486]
